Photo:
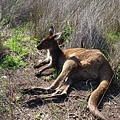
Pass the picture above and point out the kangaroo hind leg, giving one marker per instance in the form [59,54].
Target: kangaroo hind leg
[64,87]
[61,84]
[69,67]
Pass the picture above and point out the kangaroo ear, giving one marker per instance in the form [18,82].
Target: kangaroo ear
[57,35]
[51,30]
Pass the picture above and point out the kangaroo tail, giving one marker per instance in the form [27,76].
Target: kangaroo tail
[95,96]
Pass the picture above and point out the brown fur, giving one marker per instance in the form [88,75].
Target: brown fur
[76,63]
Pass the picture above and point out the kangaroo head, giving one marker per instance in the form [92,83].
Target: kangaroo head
[49,41]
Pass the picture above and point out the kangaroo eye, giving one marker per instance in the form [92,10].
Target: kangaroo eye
[45,43]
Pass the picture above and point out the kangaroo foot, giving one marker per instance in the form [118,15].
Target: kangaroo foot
[45,97]
[37,90]
[52,96]
[36,66]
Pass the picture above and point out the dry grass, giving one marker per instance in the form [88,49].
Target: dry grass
[91,22]
[89,18]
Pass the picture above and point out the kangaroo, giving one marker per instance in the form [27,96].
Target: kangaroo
[76,64]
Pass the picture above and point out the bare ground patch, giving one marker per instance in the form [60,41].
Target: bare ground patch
[72,107]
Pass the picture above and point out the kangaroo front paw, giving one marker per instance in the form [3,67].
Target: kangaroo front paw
[38,64]
[38,73]
[35,66]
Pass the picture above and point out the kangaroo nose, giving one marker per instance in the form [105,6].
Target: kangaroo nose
[38,47]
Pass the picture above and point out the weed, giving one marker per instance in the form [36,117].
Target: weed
[36,39]
[19,46]
[117,72]
[56,111]
[55,73]
[12,62]
[83,104]
[37,116]
[7,19]
[16,47]
[113,37]
[68,31]
[47,78]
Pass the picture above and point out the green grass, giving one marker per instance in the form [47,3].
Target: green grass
[38,116]
[117,72]
[68,31]
[19,47]
[12,62]
[55,73]
[113,38]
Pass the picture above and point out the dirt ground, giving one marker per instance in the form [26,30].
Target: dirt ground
[72,107]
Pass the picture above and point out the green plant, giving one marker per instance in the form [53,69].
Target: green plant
[68,31]
[12,62]
[19,47]
[83,104]
[117,72]
[36,39]
[56,110]
[16,47]
[113,36]
[111,44]
[37,116]
[55,73]
[7,19]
